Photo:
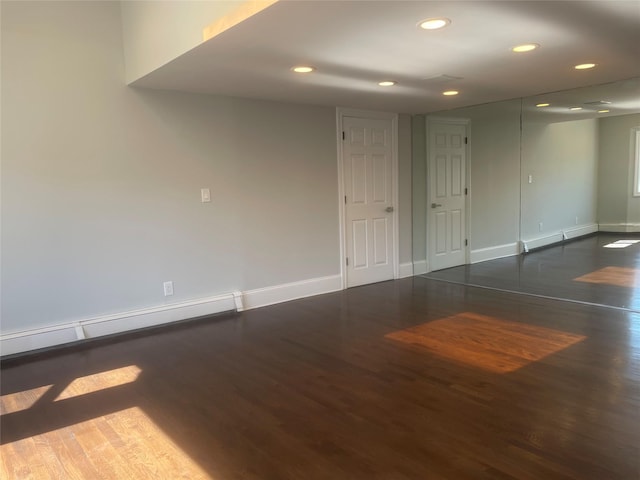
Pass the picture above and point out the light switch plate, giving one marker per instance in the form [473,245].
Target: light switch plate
[205,195]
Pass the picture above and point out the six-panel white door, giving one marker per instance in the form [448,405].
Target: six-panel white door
[369,209]
[446,207]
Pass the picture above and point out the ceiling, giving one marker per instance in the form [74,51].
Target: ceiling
[355,44]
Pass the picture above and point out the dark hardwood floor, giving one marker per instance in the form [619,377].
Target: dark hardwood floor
[582,270]
[410,379]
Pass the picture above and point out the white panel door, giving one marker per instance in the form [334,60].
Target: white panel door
[447,180]
[369,209]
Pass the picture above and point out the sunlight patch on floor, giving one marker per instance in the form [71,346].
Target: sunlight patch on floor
[23,400]
[104,442]
[621,244]
[618,276]
[100,381]
[489,343]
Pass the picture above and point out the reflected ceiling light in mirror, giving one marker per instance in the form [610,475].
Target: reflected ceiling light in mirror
[387,83]
[303,69]
[539,105]
[434,23]
[584,66]
[575,108]
[604,111]
[450,93]
[525,47]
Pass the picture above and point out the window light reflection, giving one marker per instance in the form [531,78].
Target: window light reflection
[621,244]
[485,342]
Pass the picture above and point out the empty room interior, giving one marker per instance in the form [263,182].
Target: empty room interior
[255,240]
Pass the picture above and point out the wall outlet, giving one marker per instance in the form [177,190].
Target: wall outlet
[168,288]
[540,226]
[205,195]
[530,178]
[576,219]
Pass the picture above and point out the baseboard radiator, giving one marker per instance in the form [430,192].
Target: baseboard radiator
[558,237]
[55,335]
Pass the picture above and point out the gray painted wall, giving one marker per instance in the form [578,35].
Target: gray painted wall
[101,182]
[616,204]
[562,159]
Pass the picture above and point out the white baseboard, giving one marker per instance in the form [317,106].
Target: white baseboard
[49,336]
[620,227]
[263,297]
[491,253]
[538,242]
[582,230]
[420,267]
[405,270]
[559,236]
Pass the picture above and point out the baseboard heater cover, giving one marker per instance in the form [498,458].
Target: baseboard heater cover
[559,237]
[50,336]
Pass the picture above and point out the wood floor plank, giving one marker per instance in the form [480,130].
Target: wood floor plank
[73,456]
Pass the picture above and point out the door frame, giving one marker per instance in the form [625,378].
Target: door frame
[374,115]
[466,122]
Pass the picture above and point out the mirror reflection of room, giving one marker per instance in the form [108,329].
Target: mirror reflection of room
[542,171]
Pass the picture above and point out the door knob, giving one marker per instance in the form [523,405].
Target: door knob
[388,209]
[436,205]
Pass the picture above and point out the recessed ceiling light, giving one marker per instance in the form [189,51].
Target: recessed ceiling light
[542,104]
[450,93]
[303,69]
[575,108]
[584,66]
[434,23]
[387,83]
[603,111]
[527,47]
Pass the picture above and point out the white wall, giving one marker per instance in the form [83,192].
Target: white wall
[101,187]
[101,182]
[156,32]
[562,159]
[618,209]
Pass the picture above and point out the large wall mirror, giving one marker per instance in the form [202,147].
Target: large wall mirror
[539,169]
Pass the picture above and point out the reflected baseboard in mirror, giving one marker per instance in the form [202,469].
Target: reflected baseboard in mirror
[586,270]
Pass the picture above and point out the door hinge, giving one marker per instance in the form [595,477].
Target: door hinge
[345,199]
[466,140]
[466,191]
[466,242]
[347,261]
[343,136]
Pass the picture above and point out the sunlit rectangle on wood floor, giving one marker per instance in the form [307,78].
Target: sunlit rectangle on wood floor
[123,445]
[618,276]
[485,342]
[100,381]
